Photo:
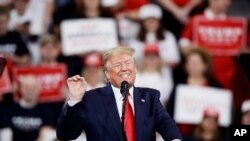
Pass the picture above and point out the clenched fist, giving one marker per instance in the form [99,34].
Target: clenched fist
[77,87]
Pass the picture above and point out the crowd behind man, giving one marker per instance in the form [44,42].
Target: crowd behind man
[160,32]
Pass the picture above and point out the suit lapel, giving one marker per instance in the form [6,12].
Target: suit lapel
[111,109]
[139,102]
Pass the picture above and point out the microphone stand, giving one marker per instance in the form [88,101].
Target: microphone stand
[124,92]
[123,112]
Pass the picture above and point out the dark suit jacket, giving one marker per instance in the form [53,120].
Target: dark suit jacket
[98,115]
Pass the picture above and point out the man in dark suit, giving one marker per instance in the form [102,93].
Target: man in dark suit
[99,112]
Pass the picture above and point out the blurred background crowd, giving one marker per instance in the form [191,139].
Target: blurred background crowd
[166,55]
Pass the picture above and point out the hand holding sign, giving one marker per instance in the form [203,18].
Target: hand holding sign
[77,87]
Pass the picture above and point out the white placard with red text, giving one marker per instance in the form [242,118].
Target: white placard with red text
[191,101]
[51,78]
[84,35]
[221,36]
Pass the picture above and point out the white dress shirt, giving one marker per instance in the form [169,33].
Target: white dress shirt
[118,99]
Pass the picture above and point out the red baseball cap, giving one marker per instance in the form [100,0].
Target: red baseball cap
[151,49]
[93,59]
[211,112]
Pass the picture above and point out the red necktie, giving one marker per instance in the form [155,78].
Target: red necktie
[129,122]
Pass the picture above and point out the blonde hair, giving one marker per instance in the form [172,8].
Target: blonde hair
[47,38]
[116,51]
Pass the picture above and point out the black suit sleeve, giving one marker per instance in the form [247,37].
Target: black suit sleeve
[71,122]
[165,125]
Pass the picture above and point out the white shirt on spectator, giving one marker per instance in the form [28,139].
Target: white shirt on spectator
[168,48]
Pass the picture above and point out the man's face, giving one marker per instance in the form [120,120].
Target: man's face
[119,68]
[221,5]
[49,52]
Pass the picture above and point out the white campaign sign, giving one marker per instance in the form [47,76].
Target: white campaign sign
[84,35]
[191,101]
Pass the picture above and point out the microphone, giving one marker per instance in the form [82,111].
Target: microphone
[124,87]
[3,62]
[124,90]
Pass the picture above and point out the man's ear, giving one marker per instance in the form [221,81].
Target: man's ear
[106,75]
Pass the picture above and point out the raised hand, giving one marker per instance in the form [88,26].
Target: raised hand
[77,87]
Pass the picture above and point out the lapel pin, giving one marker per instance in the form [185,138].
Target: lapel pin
[142,100]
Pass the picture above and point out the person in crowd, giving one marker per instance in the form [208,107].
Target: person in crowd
[99,111]
[11,43]
[82,9]
[93,71]
[49,50]
[27,119]
[197,72]
[93,74]
[153,72]
[208,129]
[31,24]
[245,109]
[152,33]
[217,9]
[226,68]
[79,9]
[177,12]
[24,20]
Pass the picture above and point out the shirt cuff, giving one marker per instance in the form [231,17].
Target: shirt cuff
[176,140]
[71,103]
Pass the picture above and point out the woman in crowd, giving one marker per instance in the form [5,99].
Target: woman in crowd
[152,32]
[153,72]
[197,72]
[208,129]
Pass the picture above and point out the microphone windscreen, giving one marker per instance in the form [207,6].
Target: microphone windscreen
[124,87]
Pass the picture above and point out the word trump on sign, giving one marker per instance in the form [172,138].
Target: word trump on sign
[220,37]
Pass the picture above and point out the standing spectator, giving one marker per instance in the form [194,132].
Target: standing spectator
[82,9]
[225,66]
[153,72]
[217,9]
[93,71]
[226,69]
[50,51]
[152,32]
[197,72]
[11,43]
[26,119]
[93,74]
[176,13]
[22,16]
[208,129]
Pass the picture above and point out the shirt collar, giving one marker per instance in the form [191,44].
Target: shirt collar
[211,15]
[118,94]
